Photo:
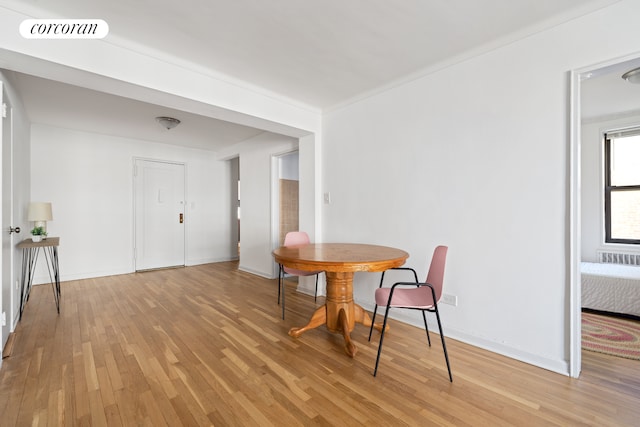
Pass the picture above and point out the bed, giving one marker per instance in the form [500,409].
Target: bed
[613,288]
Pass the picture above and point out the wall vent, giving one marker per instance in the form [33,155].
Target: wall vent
[618,258]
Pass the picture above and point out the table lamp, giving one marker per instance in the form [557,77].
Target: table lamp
[40,212]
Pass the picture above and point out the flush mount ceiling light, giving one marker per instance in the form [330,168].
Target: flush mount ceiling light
[632,76]
[168,122]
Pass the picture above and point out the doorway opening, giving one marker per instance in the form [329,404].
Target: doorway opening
[601,100]
[289,194]
[235,211]
[286,196]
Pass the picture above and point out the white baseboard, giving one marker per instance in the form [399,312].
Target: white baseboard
[558,366]
[192,262]
[256,272]
[43,280]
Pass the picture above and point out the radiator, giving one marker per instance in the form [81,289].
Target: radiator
[618,258]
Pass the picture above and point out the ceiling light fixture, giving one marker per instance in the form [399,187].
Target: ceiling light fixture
[168,122]
[632,76]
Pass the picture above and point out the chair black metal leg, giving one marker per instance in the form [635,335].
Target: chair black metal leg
[444,346]
[384,326]
[426,327]
[279,281]
[373,320]
[315,295]
[381,279]
[283,292]
[281,287]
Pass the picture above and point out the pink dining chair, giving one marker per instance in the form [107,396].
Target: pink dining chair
[295,238]
[416,296]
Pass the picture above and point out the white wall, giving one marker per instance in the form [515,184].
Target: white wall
[88,178]
[475,156]
[310,169]
[255,200]
[592,185]
[289,167]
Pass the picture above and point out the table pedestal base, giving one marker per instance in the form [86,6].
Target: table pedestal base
[339,313]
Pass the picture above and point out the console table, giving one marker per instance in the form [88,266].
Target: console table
[30,252]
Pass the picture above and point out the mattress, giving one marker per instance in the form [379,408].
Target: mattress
[611,287]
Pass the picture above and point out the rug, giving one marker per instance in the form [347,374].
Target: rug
[611,335]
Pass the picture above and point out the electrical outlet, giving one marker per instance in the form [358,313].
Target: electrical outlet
[450,299]
[327,198]
[4,319]
[17,285]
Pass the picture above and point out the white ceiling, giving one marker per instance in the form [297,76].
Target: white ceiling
[605,94]
[317,53]
[72,107]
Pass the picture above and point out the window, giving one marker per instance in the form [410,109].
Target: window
[622,186]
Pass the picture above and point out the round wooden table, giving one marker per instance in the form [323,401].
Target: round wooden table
[339,261]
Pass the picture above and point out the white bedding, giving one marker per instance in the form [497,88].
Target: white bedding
[611,287]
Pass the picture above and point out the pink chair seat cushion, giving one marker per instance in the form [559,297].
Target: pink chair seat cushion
[295,272]
[406,297]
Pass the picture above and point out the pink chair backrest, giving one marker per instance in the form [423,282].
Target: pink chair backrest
[436,270]
[296,238]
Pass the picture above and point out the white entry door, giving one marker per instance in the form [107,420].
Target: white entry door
[5,296]
[9,300]
[159,213]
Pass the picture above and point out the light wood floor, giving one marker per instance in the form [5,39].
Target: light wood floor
[206,345]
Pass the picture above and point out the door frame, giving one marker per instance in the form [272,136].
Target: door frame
[576,76]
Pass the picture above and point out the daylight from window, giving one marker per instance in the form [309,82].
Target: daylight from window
[625,202]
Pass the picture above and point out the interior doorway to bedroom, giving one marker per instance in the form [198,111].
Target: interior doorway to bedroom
[608,104]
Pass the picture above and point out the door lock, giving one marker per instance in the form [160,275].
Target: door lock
[181,218]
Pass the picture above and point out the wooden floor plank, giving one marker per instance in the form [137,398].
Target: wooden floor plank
[206,345]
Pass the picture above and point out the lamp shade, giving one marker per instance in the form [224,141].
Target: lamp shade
[39,211]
